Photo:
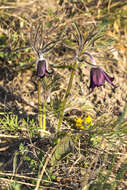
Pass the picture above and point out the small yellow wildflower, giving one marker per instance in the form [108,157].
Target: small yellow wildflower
[79,122]
[82,127]
[88,119]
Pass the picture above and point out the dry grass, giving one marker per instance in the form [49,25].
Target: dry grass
[97,156]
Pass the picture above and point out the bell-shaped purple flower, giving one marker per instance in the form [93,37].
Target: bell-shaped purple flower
[42,68]
[98,77]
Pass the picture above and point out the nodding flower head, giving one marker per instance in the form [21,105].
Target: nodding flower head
[42,67]
[98,76]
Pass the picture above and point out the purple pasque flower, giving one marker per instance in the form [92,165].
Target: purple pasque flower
[98,77]
[42,67]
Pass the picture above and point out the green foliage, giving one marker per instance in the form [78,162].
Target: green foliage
[10,122]
[31,126]
[64,147]
[22,149]
[14,186]
[3,40]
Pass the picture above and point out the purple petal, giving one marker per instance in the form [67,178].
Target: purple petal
[109,80]
[98,78]
[47,73]
[41,68]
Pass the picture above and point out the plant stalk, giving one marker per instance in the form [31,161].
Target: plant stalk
[66,96]
[39,107]
[44,117]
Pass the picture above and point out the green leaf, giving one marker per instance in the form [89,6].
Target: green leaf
[21,63]
[2,54]
[63,66]
[49,24]
[69,43]
[63,148]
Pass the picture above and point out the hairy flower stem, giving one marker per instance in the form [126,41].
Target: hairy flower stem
[39,107]
[44,117]
[66,96]
[41,117]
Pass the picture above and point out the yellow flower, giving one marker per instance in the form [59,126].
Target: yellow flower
[78,123]
[79,120]
[82,127]
[88,119]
